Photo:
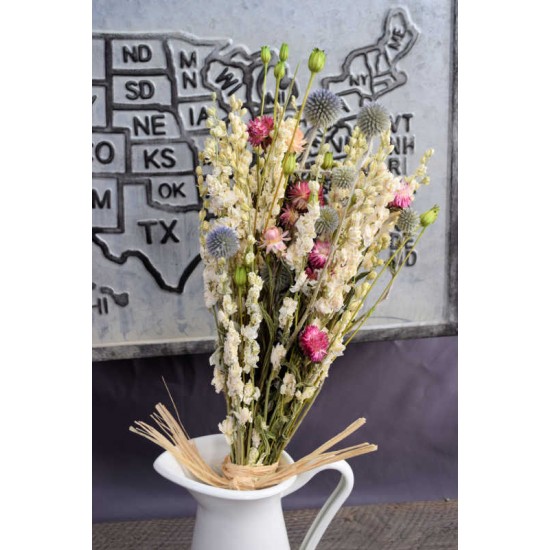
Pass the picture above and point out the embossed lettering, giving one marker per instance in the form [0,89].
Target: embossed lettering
[144,89]
[138,54]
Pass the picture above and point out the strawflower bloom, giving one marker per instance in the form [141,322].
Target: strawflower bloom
[314,343]
[299,195]
[319,254]
[311,274]
[403,197]
[289,216]
[273,239]
[259,129]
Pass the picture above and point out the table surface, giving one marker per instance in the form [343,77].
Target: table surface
[405,526]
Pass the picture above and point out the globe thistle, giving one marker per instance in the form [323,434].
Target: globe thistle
[322,108]
[343,176]
[373,119]
[222,242]
[328,221]
[409,220]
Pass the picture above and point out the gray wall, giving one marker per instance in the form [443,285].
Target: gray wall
[406,389]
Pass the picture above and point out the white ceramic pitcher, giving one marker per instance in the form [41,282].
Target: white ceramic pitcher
[249,520]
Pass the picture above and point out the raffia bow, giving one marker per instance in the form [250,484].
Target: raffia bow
[172,437]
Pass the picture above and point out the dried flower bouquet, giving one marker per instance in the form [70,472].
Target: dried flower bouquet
[294,245]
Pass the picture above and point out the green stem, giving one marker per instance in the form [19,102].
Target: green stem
[276,103]
[376,279]
[321,280]
[298,118]
[364,317]
[263,90]
[334,246]
[314,131]
[261,178]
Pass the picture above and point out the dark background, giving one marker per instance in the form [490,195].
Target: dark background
[406,389]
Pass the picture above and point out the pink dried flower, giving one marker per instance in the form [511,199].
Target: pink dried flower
[259,129]
[311,274]
[314,343]
[289,216]
[319,254]
[403,197]
[299,195]
[273,239]
[321,196]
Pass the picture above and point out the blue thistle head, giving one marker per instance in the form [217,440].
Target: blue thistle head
[373,120]
[328,221]
[222,242]
[343,176]
[322,108]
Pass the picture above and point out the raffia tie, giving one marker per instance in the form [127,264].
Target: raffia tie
[171,436]
[246,478]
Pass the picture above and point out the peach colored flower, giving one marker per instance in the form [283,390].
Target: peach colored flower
[298,143]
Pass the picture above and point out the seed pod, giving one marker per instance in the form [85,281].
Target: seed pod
[328,161]
[429,217]
[279,70]
[240,276]
[316,60]
[289,164]
[283,52]
[265,54]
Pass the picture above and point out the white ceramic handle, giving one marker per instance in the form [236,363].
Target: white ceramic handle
[331,506]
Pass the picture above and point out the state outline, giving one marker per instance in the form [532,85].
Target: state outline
[146,261]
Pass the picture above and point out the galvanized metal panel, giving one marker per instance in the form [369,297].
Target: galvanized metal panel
[155,64]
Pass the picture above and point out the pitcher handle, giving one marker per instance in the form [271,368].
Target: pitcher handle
[331,506]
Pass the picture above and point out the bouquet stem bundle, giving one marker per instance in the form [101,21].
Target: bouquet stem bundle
[171,436]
